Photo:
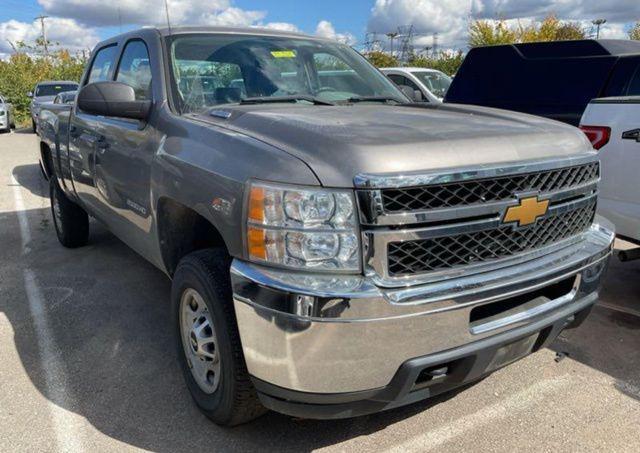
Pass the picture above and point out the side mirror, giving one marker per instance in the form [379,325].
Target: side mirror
[112,99]
[30,94]
[414,95]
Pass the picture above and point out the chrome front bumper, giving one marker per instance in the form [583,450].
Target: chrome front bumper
[357,335]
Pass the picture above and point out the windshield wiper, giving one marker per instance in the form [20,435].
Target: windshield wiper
[291,98]
[372,99]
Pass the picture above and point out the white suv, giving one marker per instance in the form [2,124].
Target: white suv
[431,83]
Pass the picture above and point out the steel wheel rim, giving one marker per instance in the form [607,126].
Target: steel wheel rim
[199,341]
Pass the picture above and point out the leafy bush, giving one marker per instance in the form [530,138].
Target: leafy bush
[447,62]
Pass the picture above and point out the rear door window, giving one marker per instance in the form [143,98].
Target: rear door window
[102,64]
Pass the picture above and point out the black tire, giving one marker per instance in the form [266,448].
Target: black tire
[71,222]
[33,126]
[235,400]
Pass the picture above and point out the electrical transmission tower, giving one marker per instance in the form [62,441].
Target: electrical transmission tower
[372,42]
[405,36]
[41,18]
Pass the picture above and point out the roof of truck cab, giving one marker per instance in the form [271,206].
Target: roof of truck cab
[233,30]
[174,31]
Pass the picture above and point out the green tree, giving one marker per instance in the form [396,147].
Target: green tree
[382,59]
[486,33]
[447,62]
[28,66]
[634,33]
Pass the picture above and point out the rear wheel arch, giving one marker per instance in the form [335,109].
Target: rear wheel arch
[182,230]
[47,160]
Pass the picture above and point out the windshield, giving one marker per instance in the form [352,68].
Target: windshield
[436,82]
[210,70]
[52,90]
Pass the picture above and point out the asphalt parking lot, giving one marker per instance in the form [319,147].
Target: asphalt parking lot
[87,362]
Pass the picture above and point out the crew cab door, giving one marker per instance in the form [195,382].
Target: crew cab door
[85,132]
[124,153]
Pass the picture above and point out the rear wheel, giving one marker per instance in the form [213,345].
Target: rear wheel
[208,341]
[70,220]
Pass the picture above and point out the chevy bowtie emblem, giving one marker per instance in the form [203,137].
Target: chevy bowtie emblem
[526,212]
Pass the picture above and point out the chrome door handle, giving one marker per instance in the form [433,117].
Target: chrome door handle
[633,134]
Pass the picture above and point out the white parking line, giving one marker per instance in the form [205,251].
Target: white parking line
[64,421]
[25,233]
[517,402]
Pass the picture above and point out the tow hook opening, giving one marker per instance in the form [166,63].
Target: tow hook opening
[433,375]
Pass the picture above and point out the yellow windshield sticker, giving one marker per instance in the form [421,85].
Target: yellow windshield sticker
[283,53]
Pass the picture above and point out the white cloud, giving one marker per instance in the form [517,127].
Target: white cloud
[62,32]
[450,18]
[136,12]
[325,29]
[447,18]
[282,26]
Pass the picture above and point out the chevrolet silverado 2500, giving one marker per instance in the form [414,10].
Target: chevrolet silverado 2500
[334,248]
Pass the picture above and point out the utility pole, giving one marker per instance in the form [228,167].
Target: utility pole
[41,18]
[598,23]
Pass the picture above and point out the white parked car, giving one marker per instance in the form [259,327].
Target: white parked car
[613,126]
[431,83]
[7,121]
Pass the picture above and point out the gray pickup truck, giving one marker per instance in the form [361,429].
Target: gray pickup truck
[335,249]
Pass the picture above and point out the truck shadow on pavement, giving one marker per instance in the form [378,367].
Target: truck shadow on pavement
[107,319]
[106,313]
[609,340]
[23,174]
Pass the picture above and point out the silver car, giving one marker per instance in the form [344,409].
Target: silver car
[7,120]
[45,92]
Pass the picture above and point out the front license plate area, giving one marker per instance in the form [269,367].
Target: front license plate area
[512,352]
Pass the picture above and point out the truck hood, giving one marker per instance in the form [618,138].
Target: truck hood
[339,142]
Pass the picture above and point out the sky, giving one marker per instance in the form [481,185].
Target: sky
[79,24]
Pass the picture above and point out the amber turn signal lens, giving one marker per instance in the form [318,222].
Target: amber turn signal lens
[256,204]
[256,243]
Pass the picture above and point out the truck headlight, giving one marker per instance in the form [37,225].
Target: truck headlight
[302,227]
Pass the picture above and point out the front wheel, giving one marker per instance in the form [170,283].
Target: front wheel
[70,220]
[208,341]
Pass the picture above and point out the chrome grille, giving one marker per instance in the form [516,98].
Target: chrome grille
[478,191]
[451,251]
